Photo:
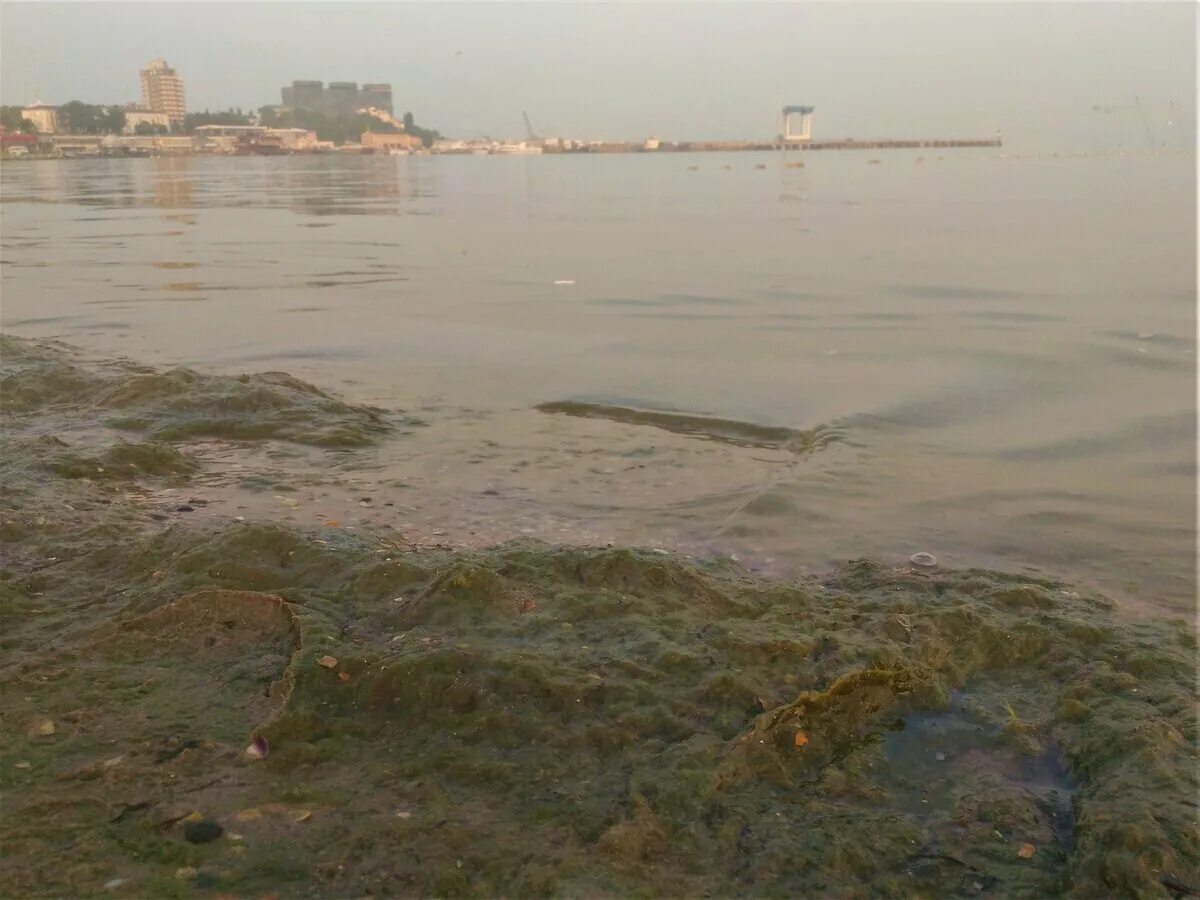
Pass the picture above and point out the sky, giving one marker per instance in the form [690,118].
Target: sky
[677,71]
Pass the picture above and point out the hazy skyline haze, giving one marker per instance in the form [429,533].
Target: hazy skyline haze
[626,71]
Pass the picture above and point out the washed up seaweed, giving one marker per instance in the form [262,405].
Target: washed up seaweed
[553,720]
[180,404]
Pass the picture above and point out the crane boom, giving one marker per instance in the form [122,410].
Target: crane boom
[528,127]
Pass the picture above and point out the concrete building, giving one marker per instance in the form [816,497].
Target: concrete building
[376,95]
[340,98]
[43,116]
[162,91]
[135,117]
[372,140]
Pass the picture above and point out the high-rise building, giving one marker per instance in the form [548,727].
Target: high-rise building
[304,94]
[162,91]
[341,97]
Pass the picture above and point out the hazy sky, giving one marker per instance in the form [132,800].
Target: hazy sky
[628,70]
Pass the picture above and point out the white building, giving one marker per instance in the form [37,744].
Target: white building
[43,117]
[135,117]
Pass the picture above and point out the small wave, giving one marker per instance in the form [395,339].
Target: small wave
[727,431]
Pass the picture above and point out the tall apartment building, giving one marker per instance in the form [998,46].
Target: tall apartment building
[162,91]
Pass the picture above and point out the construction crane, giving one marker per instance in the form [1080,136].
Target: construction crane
[528,127]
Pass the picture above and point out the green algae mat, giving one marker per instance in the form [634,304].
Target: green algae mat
[239,709]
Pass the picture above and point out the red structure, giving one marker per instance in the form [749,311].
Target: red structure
[9,139]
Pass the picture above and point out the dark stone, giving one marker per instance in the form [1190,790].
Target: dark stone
[185,508]
[206,880]
[202,832]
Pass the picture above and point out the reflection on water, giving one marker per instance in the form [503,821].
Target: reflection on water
[1005,349]
[369,185]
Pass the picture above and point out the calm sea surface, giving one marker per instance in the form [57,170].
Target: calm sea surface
[999,353]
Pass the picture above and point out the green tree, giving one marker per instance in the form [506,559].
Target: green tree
[87,118]
[147,128]
[408,121]
[112,120]
[231,116]
[336,128]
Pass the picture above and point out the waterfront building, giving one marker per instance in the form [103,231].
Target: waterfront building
[135,117]
[162,91]
[43,116]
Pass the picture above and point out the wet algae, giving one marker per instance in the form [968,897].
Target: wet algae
[43,378]
[542,720]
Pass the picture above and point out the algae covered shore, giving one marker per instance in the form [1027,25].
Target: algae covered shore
[531,719]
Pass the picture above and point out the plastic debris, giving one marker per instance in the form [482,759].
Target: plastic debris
[21,765]
[258,749]
[43,728]
[801,738]
[403,814]
[923,560]
[301,815]
[327,662]
[114,884]
[939,756]
[115,761]
[185,872]
[565,281]
[1027,851]
[253,814]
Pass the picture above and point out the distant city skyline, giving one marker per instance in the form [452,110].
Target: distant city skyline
[1061,74]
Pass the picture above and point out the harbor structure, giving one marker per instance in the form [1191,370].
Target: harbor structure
[797,124]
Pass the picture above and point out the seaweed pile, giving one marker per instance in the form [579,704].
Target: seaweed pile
[536,719]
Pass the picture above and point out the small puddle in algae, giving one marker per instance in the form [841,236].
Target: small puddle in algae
[980,784]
